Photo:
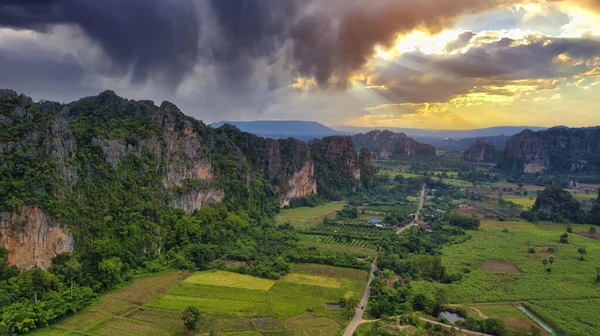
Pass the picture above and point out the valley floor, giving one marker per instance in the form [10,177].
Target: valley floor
[233,304]
[504,269]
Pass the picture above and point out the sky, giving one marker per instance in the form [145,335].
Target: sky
[433,64]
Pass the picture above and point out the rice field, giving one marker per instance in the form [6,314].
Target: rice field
[229,279]
[232,304]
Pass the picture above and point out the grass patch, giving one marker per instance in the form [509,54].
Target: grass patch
[229,279]
[354,275]
[307,217]
[525,201]
[312,280]
[309,325]
[211,305]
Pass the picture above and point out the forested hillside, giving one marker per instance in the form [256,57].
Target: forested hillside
[99,189]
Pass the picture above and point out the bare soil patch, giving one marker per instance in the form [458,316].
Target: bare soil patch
[494,266]
[523,322]
[595,236]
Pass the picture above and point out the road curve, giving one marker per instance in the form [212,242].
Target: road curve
[358,316]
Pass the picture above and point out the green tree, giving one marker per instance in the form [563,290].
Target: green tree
[190,316]
[37,283]
[72,271]
[582,251]
[598,274]
[592,230]
[351,304]
[110,270]
[551,260]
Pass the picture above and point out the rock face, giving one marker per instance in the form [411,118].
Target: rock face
[389,145]
[109,164]
[481,152]
[196,199]
[301,185]
[33,238]
[338,169]
[559,150]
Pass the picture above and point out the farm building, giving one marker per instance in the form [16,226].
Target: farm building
[374,221]
[423,224]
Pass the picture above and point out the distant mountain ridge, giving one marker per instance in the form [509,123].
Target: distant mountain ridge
[389,145]
[498,141]
[299,129]
[420,134]
[441,139]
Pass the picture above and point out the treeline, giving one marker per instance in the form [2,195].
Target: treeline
[34,298]
[558,205]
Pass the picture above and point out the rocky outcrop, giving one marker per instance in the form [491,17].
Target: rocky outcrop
[301,185]
[389,145]
[559,150]
[481,152]
[336,165]
[33,238]
[195,200]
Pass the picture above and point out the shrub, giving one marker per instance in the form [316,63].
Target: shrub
[564,238]
[531,250]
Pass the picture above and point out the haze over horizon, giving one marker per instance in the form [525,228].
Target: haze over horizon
[432,64]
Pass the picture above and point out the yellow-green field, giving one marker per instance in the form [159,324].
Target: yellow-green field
[498,294]
[312,280]
[229,279]
[232,304]
[525,201]
[306,217]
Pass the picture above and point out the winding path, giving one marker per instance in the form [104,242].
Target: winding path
[358,316]
[417,214]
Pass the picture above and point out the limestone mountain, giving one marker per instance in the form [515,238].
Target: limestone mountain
[481,152]
[110,171]
[389,145]
[556,150]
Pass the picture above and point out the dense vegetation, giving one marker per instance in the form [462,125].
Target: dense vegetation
[105,166]
[558,205]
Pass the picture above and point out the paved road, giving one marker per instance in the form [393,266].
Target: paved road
[417,214]
[358,316]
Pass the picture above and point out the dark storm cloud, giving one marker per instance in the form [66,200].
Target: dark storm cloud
[461,42]
[145,37]
[419,78]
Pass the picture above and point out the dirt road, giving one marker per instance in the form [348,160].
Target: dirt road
[417,214]
[358,316]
